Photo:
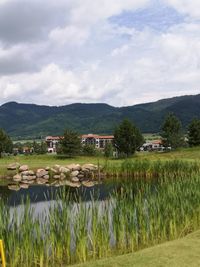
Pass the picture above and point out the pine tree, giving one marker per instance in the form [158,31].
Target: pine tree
[127,138]
[172,132]
[70,144]
[194,133]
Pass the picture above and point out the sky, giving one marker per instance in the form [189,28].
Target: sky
[120,52]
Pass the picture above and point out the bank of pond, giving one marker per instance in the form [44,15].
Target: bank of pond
[136,205]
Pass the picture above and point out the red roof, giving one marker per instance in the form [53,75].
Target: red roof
[97,136]
[53,138]
[157,142]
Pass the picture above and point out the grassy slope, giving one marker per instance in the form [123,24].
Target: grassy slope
[182,252]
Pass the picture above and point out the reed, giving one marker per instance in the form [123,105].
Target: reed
[156,202]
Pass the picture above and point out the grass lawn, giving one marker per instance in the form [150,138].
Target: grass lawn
[183,252]
[41,161]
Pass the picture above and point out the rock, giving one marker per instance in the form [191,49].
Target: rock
[41,181]
[75,179]
[41,172]
[68,183]
[25,177]
[47,168]
[25,173]
[46,177]
[31,173]
[13,166]
[28,177]
[88,183]
[17,178]
[27,181]
[24,186]
[56,167]
[54,171]
[23,168]
[74,173]
[64,170]
[62,176]
[81,176]
[14,187]
[56,177]
[90,167]
[74,167]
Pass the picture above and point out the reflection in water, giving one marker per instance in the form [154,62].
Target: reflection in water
[44,194]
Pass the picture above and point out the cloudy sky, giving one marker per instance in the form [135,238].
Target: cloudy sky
[121,52]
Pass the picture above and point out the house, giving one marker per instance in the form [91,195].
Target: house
[155,145]
[99,141]
[52,143]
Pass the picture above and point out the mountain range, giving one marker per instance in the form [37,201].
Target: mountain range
[32,121]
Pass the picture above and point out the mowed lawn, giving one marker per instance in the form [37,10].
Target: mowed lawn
[41,161]
[183,252]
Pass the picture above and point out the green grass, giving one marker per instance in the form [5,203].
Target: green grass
[183,252]
[41,161]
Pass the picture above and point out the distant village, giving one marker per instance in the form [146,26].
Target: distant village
[95,140]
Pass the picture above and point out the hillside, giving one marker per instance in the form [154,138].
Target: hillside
[29,120]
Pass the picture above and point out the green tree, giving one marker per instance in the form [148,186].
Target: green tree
[108,150]
[194,133]
[6,144]
[127,138]
[89,150]
[70,144]
[39,148]
[171,132]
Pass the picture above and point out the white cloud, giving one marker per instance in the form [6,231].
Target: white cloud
[71,35]
[188,7]
[86,58]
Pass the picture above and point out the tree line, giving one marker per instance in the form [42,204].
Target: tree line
[127,139]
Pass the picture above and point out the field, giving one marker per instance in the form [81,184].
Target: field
[183,252]
[41,161]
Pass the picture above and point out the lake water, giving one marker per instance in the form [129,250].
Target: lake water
[41,194]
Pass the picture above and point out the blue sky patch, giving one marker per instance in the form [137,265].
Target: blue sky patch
[159,17]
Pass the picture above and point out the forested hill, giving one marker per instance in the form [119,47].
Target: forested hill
[29,120]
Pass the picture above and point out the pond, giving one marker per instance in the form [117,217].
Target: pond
[38,194]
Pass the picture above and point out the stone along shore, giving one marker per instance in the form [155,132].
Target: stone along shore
[73,175]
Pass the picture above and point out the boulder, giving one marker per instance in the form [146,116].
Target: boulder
[23,168]
[41,181]
[46,177]
[68,183]
[25,173]
[57,177]
[24,186]
[74,173]
[64,170]
[81,176]
[74,167]
[62,176]
[88,183]
[13,166]
[90,167]
[17,178]
[75,179]
[54,171]
[14,187]
[56,167]
[41,172]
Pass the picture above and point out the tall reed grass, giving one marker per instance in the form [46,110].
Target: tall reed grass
[139,213]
